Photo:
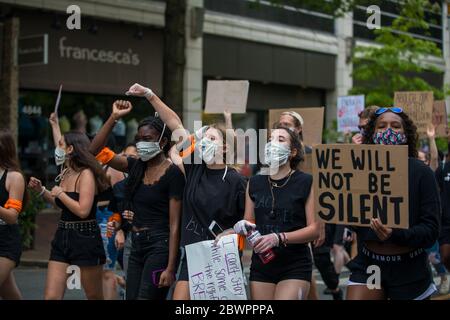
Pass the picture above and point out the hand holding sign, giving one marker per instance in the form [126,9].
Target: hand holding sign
[431,131]
[53,119]
[383,233]
[121,108]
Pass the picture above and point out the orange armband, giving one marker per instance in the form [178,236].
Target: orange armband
[188,151]
[105,155]
[14,204]
[116,217]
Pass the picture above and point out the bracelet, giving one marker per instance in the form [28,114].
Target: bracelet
[57,196]
[280,241]
[285,240]
[42,191]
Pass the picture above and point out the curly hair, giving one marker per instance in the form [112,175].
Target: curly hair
[408,126]
[296,143]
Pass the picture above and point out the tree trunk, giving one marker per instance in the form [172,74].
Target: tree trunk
[174,54]
[9,75]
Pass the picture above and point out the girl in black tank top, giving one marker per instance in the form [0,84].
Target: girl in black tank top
[12,199]
[77,241]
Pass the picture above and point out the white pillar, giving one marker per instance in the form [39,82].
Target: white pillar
[446,49]
[344,82]
[193,73]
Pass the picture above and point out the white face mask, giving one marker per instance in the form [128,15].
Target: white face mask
[60,156]
[149,149]
[276,154]
[207,149]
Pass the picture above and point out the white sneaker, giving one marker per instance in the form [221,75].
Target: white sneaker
[445,284]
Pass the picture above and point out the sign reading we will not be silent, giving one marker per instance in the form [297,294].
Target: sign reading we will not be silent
[354,183]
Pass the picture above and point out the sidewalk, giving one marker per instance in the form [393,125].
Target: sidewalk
[46,222]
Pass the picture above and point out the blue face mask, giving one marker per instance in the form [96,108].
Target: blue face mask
[389,137]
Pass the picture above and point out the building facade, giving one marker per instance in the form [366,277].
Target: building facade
[291,56]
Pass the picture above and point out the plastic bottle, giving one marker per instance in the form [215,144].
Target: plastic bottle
[265,256]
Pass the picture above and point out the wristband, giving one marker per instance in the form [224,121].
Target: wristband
[148,93]
[42,191]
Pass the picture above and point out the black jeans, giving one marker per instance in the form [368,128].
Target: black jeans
[325,266]
[149,257]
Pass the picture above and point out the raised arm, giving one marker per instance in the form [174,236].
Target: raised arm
[56,130]
[167,115]
[434,157]
[119,110]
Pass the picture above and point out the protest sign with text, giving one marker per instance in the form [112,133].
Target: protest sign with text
[348,109]
[215,271]
[354,183]
[418,105]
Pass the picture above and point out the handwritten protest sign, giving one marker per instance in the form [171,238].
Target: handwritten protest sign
[215,271]
[354,183]
[313,122]
[440,121]
[226,95]
[419,107]
[348,109]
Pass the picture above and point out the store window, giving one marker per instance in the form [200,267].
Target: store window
[36,148]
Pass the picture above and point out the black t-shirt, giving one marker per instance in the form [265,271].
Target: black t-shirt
[424,211]
[289,208]
[150,203]
[207,197]
[443,180]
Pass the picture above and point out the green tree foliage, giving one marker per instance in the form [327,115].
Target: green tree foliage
[397,60]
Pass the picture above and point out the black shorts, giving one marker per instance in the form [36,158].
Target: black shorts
[403,277]
[291,263]
[183,273]
[10,242]
[80,248]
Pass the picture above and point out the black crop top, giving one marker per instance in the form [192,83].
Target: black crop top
[67,215]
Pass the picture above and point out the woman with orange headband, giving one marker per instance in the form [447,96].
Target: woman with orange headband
[12,193]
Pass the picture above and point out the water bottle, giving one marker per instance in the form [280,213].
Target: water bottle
[265,256]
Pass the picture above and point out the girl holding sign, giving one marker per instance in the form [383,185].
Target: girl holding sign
[12,194]
[392,263]
[153,192]
[77,241]
[213,192]
[282,206]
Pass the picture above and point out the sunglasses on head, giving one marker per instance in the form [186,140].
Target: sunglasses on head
[393,109]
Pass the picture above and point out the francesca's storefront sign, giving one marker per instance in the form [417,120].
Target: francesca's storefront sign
[106,62]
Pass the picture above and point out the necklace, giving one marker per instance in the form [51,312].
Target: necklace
[147,176]
[273,184]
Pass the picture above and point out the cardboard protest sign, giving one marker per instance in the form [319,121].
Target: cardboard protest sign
[313,122]
[440,121]
[226,95]
[354,183]
[419,107]
[306,165]
[348,109]
[215,272]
